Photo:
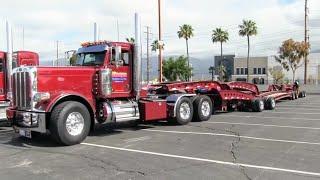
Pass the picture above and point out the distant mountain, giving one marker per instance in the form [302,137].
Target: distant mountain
[315,51]
[200,67]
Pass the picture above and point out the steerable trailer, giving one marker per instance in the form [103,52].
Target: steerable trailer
[105,87]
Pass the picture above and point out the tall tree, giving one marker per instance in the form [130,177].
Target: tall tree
[186,32]
[155,46]
[277,75]
[222,36]
[248,28]
[176,69]
[291,53]
[130,40]
[211,71]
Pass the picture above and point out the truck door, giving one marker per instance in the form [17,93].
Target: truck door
[121,78]
[2,80]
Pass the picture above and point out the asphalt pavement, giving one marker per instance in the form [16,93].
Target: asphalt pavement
[279,144]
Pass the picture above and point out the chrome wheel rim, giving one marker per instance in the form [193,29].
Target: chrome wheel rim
[205,108]
[261,105]
[75,123]
[185,110]
[273,103]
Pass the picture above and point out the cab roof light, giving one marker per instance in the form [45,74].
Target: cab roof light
[87,44]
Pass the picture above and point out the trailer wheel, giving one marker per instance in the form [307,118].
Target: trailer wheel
[70,123]
[202,108]
[270,103]
[184,111]
[257,105]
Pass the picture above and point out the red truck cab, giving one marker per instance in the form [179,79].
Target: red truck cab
[19,58]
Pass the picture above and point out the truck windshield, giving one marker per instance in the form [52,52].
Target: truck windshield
[90,59]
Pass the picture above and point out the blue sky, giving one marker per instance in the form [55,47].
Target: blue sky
[71,22]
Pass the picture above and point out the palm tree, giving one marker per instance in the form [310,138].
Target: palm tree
[186,32]
[220,35]
[130,40]
[248,28]
[155,46]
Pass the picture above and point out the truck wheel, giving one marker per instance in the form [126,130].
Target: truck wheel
[270,103]
[257,105]
[202,108]
[184,111]
[70,123]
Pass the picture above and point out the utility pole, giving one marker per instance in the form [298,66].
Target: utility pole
[160,41]
[148,54]
[306,39]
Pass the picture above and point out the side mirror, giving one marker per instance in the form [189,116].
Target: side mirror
[118,54]
[115,55]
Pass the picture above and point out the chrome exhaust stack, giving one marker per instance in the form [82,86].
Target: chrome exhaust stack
[137,58]
[9,58]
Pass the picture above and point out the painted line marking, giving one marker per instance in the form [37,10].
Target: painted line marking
[290,112]
[266,125]
[205,160]
[298,106]
[232,135]
[269,117]
[303,108]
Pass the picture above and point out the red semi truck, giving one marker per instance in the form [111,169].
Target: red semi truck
[105,87]
[19,58]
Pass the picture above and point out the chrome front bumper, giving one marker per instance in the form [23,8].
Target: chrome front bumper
[31,121]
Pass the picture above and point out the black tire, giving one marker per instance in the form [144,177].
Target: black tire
[257,105]
[200,101]
[270,103]
[179,118]
[57,125]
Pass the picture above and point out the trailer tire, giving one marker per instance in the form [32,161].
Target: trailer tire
[257,105]
[184,111]
[202,108]
[270,103]
[69,123]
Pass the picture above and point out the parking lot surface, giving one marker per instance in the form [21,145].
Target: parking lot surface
[279,144]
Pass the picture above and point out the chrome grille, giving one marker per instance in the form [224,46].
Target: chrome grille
[21,87]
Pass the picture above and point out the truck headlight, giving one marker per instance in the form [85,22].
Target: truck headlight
[41,96]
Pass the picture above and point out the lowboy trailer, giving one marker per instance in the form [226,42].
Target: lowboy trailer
[105,87]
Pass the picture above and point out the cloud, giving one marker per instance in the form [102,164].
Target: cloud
[71,23]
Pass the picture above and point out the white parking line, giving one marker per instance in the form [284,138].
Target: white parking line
[232,135]
[265,125]
[297,108]
[268,117]
[291,112]
[205,160]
